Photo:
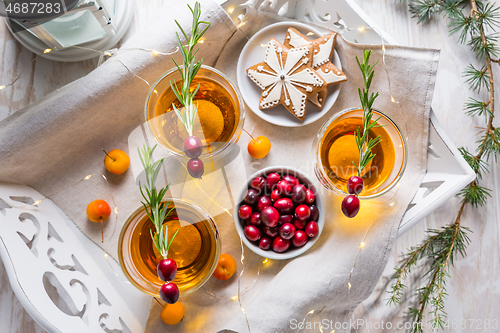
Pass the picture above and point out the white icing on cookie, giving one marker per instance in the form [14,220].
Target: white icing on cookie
[323,56]
[285,78]
[330,76]
[307,76]
[297,40]
[261,79]
[315,100]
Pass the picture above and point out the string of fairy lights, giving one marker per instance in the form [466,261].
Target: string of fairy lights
[113,54]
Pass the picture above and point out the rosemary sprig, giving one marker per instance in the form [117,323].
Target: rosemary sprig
[364,143]
[188,70]
[156,209]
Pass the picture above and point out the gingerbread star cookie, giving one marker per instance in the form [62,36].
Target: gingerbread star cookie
[323,52]
[286,77]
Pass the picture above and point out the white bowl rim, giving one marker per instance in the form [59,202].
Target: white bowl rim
[319,203]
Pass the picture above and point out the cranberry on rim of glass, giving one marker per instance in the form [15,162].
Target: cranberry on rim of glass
[280,213]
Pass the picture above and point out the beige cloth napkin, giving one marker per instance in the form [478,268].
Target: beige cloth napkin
[58,141]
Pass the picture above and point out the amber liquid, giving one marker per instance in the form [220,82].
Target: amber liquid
[215,123]
[193,249]
[338,150]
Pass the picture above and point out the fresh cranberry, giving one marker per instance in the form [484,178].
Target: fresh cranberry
[169,293]
[270,231]
[310,197]
[314,213]
[300,238]
[252,197]
[287,231]
[280,244]
[312,229]
[270,216]
[291,180]
[298,194]
[195,168]
[263,202]
[298,224]
[167,270]
[284,205]
[355,185]
[255,219]
[192,147]
[271,180]
[265,243]
[252,232]
[284,187]
[350,206]
[258,184]
[245,212]
[302,212]
[286,218]
[275,195]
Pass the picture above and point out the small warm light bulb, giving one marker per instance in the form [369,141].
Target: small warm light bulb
[349,285]
[361,245]
[88,177]
[312,311]
[263,45]
[37,202]
[47,50]
[265,261]
[201,41]
[391,204]
[362,29]
[230,10]
[392,99]
[243,310]
[108,54]
[234,298]
[383,47]
[155,53]
[241,24]
[155,91]
[2,87]
[106,255]
[310,33]
[116,210]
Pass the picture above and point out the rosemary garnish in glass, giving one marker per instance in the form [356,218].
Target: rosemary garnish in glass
[364,143]
[188,70]
[155,208]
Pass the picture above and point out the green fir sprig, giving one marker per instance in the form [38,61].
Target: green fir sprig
[155,207]
[189,69]
[475,22]
[364,143]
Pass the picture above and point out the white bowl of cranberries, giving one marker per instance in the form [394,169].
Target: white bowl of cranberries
[280,214]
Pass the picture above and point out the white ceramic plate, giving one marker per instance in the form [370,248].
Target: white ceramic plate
[292,252]
[254,52]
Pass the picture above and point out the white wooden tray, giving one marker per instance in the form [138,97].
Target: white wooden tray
[36,256]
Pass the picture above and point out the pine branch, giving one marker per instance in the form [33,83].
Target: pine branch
[439,250]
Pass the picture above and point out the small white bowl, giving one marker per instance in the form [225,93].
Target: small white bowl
[290,253]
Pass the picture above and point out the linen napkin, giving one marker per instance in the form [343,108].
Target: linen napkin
[58,141]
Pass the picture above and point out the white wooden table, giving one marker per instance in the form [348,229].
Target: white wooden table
[474,288]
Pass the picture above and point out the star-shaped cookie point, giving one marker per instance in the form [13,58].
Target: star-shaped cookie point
[286,77]
[322,64]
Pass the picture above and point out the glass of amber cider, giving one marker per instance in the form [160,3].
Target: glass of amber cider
[195,249]
[219,120]
[335,149]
